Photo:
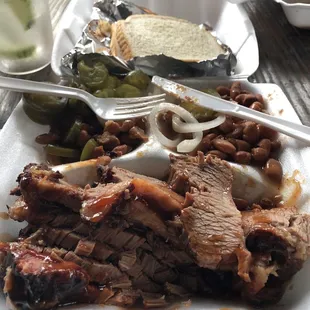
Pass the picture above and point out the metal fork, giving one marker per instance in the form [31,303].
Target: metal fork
[105,108]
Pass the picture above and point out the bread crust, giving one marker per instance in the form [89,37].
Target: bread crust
[120,44]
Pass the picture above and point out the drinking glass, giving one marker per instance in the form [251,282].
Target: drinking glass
[26,37]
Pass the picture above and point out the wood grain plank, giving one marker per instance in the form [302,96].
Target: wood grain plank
[284,54]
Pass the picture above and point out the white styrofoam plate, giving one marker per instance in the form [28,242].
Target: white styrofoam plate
[19,149]
[230,21]
[297,12]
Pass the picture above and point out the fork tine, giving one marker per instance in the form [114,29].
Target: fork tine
[138,105]
[130,116]
[133,111]
[124,101]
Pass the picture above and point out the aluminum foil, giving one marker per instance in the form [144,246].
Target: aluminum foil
[92,46]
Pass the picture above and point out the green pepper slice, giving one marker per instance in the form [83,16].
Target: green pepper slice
[88,149]
[73,133]
[61,151]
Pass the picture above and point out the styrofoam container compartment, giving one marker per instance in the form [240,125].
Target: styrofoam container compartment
[233,28]
[297,12]
[230,21]
[19,133]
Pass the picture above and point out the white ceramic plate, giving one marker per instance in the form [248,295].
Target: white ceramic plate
[19,149]
[230,21]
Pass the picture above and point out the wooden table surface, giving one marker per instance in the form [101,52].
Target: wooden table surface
[284,56]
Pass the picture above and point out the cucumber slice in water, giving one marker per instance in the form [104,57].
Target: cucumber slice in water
[23,11]
[24,52]
[16,42]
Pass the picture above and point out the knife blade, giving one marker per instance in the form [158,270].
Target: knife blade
[195,96]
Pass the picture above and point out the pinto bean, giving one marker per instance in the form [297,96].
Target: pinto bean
[275,145]
[235,90]
[211,136]
[265,132]
[246,99]
[227,126]
[122,149]
[206,143]
[112,127]
[259,154]
[236,133]
[273,169]
[250,132]
[257,106]
[242,157]
[242,145]
[260,99]
[223,91]
[232,141]
[265,144]
[224,146]
[127,125]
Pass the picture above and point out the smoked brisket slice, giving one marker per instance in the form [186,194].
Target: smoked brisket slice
[42,188]
[211,219]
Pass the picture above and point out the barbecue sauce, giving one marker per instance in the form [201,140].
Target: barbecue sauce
[95,210]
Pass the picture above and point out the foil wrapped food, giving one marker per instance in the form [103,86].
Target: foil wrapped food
[95,45]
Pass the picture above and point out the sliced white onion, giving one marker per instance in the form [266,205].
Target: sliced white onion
[155,128]
[185,146]
[182,127]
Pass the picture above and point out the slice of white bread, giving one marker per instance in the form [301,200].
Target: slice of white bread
[144,35]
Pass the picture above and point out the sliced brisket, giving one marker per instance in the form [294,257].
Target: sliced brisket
[211,220]
[44,191]
[141,238]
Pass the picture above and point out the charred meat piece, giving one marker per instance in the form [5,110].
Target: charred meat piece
[280,243]
[42,188]
[211,220]
[39,183]
[38,281]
